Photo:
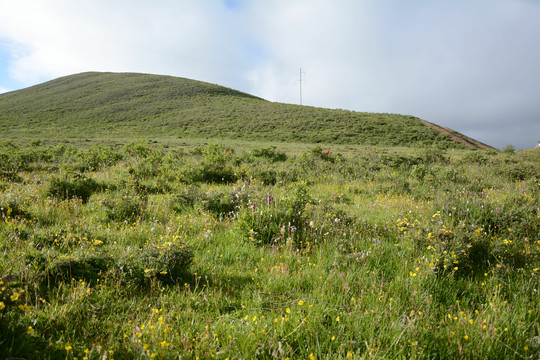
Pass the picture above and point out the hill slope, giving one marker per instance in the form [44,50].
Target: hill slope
[91,105]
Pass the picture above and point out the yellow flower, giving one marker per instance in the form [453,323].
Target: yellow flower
[466,337]
[15,297]
[300,303]
[337,318]
[287,310]
[30,331]
[349,354]
[68,348]
[2,306]
[311,357]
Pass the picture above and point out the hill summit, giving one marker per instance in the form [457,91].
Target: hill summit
[94,105]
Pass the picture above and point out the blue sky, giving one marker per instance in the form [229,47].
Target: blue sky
[470,65]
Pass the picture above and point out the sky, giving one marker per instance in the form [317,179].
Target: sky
[470,65]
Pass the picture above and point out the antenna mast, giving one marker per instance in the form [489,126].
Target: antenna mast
[300,80]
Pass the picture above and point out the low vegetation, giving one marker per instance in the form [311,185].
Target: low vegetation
[152,252]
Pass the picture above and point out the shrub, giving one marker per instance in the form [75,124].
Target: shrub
[219,202]
[184,199]
[78,186]
[86,267]
[93,159]
[125,208]
[11,208]
[165,262]
[266,177]
[265,226]
[215,167]
[268,153]
[276,223]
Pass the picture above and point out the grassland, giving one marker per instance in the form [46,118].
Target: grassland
[145,251]
[109,106]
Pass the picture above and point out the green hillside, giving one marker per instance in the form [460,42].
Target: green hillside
[111,105]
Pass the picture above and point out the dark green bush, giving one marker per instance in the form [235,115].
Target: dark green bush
[219,202]
[266,177]
[85,267]
[12,208]
[77,186]
[271,223]
[125,208]
[92,159]
[184,199]
[268,153]
[166,262]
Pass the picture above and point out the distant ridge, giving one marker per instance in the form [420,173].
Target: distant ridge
[96,105]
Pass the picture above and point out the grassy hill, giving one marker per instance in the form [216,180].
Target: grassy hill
[112,105]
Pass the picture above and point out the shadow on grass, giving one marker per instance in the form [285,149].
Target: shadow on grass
[17,343]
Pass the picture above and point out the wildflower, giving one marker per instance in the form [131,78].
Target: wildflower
[333,338]
[466,337]
[68,348]
[349,354]
[2,306]
[15,297]
[287,310]
[337,318]
[30,330]
[300,303]
[311,356]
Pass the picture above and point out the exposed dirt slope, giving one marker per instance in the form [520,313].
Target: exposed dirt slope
[471,143]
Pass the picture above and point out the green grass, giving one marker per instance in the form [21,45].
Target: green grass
[138,250]
[108,106]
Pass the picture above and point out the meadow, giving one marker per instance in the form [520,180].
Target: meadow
[143,249]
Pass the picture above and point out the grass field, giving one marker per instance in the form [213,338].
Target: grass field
[179,249]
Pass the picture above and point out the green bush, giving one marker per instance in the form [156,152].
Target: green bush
[86,267]
[184,199]
[12,208]
[78,186]
[268,153]
[165,262]
[126,208]
[275,223]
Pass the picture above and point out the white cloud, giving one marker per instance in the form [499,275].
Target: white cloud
[468,65]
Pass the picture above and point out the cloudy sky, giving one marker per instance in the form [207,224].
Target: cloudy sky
[471,65]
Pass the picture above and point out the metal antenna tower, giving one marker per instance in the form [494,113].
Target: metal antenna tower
[300,81]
